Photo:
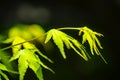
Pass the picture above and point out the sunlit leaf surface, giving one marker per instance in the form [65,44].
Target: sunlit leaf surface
[94,43]
[21,37]
[60,37]
[30,59]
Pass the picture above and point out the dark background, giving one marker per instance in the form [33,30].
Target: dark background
[100,15]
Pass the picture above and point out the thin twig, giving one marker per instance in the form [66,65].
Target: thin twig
[64,28]
[20,43]
[68,28]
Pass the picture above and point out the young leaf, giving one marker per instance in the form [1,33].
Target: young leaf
[96,39]
[65,39]
[17,40]
[70,42]
[93,41]
[90,41]
[32,60]
[58,41]
[33,64]
[32,47]
[81,48]
[90,36]
[43,65]
[49,36]
[37,69]
[22,64]
[44,56]
[60,37]
[16,55]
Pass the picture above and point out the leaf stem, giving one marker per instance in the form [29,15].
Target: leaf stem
[21,43]
[68,28]
[64,28]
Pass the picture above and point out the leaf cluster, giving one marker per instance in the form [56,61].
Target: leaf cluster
[24,50]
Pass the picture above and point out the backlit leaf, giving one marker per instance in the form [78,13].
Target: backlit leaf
[44,56]
[84,38]
[16,55]
[22,64]
[93,41]
[17,40]
[37,69]
[21,31]
[60,37]
[49,36]
[28,45]
[65,39]
[43,65]
[58,41]
[37,30]
[81,48]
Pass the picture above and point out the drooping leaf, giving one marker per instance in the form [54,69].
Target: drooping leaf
[96,39]
[43,65]
[93,41]
[33,48]
[89,35]
[39,73]
[37,69]
[22,64]
[9,40]
[16,56]
[33,63]
[28,58]
[90,41]
[44,56]
[5,61]
[65,39]
[4,75]
[70,42]
[81,48]
[49,36]
[60,37]
[58,41]
[84,38]
[3,67]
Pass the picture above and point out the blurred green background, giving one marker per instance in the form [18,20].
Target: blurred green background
[100,15]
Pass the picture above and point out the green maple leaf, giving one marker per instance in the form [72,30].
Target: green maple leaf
[29,59]
[91,36]
[60,38]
